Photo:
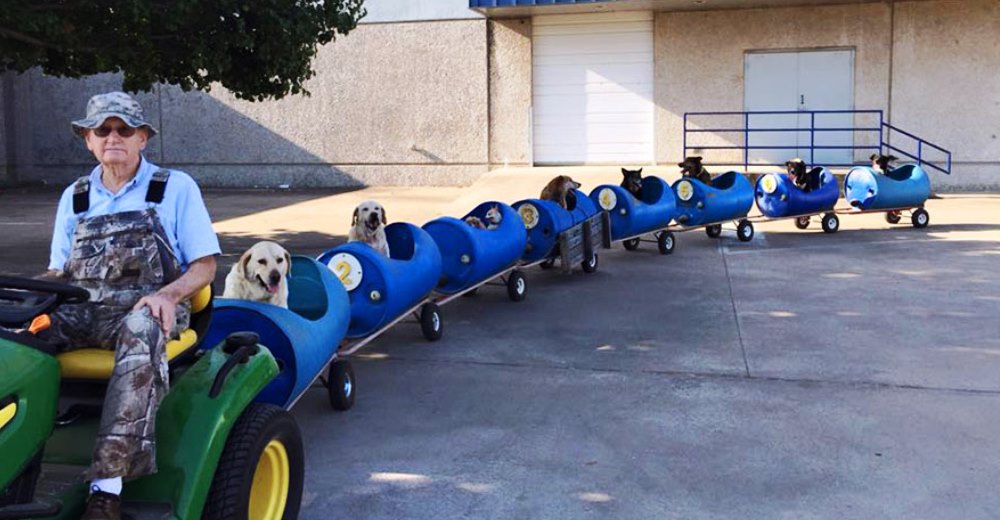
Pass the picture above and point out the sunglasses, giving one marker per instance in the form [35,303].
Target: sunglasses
[122,131]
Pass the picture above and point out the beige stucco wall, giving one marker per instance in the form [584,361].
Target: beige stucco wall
[699,60]
[946,84]
[391,104]
[510,92]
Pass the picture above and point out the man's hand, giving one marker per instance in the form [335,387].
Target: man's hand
[162,308]
[163,303]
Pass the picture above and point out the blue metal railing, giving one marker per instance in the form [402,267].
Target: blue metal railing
[883,130]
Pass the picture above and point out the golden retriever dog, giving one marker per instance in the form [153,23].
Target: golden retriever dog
[368,226]
[260,274]
[558,189]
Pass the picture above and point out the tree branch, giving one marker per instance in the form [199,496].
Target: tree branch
[21,37]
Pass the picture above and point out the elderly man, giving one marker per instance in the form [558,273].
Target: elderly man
[140,240]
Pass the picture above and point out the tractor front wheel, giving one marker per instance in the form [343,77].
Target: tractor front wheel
[261,469]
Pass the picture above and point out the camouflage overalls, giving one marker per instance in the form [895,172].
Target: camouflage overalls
[119,258]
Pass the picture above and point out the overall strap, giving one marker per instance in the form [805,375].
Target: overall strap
[157,186]
[81,195]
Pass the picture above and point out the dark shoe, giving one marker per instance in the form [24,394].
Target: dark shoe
[103,506]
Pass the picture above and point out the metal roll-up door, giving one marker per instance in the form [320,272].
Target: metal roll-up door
[592,79]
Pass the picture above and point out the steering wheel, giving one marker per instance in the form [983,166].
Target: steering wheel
[21,299]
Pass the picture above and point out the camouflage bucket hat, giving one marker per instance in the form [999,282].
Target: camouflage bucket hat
[112,104]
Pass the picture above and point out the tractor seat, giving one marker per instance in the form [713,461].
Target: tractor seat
[96,364]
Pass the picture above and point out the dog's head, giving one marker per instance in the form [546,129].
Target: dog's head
[690,166]
[796,167]
[493,215]
[564,184]
[265,265]
[882,162]
[632,180]
[370,215]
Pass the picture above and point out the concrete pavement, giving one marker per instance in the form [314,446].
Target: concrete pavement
[801,375]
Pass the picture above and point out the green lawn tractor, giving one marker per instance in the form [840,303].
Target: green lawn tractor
[219,453]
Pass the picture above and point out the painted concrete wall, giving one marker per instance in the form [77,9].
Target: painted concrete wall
[946,86]
[380,11]
[510,92]
[699,62]
[391,104]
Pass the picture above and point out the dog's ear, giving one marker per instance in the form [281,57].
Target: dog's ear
[891,158]
[245,263]
[624,172]
[639,171]
[354,219]
[696,158]
[873,157]
[288,263]
[384,220]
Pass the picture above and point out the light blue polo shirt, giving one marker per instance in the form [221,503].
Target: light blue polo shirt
[182,214]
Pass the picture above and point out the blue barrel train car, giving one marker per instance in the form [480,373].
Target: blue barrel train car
[729,197]
[303,338]
[470,256]
[632,217]
[383,289]
[545,221]
[778,197]
[904,187]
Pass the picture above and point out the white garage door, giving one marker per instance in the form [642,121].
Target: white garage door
[593,88]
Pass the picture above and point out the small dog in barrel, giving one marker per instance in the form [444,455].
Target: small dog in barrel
[559,189]
[632,181]
[692,167]
[804,180]
[368,226]
[493,219]
[882,163]
[259,275]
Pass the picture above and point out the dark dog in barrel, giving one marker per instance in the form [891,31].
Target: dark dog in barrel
[692,167]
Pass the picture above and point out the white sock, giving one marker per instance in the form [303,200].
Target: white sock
[107,485]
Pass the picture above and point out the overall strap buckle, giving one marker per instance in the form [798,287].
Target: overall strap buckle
[81,195]
[157,186]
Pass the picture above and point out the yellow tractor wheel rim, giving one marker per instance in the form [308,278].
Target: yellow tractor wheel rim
[271,480]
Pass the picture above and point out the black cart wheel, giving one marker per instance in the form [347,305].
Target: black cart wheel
[665,241]
[920,218]
[431,322]
[261,468]
[340,384]
[802,222]
[589,265]
[631,244]
[517,286]
[713,231]
[831,223]
[744,230]
[548,263]
[893,217]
